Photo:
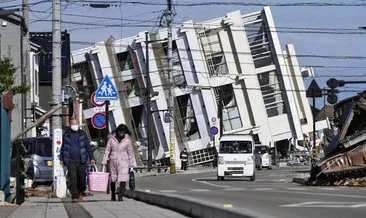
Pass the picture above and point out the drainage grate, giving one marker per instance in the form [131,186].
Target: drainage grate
[75,210]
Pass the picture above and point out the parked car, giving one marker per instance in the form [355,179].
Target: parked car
[264,152]
[38,159]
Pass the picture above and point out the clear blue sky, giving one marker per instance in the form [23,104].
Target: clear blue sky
[342,39]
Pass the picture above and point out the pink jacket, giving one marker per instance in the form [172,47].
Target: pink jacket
[120,156]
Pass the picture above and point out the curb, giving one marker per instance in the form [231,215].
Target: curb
[179,204]
[302,181]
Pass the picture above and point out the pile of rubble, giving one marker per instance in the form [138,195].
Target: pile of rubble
[31,192]
[359,182]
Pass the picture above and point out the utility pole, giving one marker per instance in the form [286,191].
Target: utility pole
[148,104]
[56,89]
[26,71]
[171,97]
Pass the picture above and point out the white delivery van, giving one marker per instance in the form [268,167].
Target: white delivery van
[236,157]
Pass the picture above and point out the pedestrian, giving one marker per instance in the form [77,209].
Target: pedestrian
[74,154]
[184,159]
[120,158]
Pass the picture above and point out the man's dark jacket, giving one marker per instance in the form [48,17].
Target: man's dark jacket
[84,144]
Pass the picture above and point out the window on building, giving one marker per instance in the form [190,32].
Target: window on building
[230,111]
[214,55]
[139,128]
[272,93]
[86,84]
[188,118]
[259,43]
[131,88]
[178,75]
[125,61]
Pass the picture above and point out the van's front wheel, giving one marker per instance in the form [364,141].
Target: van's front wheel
[252,178]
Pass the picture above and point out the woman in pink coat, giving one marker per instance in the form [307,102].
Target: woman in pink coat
[119,153]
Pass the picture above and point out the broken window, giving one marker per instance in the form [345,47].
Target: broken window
[272,93]
[214,55]
[125,61]
[259,43]
[230,111]
[188,117]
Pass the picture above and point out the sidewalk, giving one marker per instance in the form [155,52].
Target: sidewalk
[97,206]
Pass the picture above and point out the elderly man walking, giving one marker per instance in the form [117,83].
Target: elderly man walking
[74,155]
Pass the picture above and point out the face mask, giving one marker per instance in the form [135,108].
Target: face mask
[74,127]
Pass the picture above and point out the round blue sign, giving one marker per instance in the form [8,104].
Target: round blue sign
[99,120]
[214,130]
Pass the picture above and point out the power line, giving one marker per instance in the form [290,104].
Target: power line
[232,3]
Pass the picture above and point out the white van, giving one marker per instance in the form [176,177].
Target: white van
[236,157]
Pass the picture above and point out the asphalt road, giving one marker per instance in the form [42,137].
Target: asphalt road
[271,195]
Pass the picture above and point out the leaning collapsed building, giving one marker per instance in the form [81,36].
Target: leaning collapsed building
[236,59]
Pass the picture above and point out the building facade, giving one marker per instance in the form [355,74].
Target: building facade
[234,62]
[12,32]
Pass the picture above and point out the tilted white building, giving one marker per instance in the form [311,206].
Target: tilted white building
[236,59]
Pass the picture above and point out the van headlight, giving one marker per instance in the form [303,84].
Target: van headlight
[250,160]
[220,160]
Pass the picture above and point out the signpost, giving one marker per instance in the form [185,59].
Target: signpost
[214,130]
[106,92]
[314,92]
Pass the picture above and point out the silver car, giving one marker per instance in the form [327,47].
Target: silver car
[38,159]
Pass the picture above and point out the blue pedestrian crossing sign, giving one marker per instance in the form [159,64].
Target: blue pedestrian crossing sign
[106,90]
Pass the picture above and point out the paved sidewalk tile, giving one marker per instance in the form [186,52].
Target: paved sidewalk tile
[100,205]
[36,207]
[5,211]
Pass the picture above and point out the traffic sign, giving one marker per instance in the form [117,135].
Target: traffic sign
[106,90]
[214,130]
[95,102]
[314,90]
[99,120]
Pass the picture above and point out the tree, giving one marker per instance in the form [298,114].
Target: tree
[7,74]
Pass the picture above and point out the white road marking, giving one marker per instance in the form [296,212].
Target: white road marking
[262,189]
[359,205]
[200,190]
[326,204]
[297,189]
[208,183]
[320,194]
[235,189]
[168,191]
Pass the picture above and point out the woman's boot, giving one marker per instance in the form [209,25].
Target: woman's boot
[113,191]
[121,190]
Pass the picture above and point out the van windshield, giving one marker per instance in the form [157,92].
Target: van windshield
[233,147]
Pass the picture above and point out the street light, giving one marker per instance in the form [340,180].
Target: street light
[362,27]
